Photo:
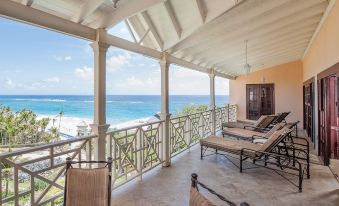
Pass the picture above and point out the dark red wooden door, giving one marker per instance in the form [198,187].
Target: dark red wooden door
[328,118]
[321,121]
[332,98]
[308,110]
[259,100]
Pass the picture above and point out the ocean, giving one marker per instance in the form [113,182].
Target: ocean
[120,108]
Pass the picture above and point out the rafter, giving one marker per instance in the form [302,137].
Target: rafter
[202,9]
[19,12]
[143,36]
[86,9]
[27,2]
[174,20]
[130,30]
[226,21]
[126,10]
[13,10]
[153,29]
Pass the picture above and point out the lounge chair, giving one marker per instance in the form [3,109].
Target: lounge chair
[264,155]
[242,123]
[279,118]
[197,199]
[250,135]
[88,186]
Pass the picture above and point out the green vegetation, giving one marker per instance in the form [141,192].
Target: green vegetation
[191,109]
[23,127]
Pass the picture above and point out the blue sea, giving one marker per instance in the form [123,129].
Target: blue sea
[120,108]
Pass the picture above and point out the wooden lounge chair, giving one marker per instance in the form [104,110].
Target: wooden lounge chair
[259,153]
[88,186]
[197,199]
[250,135]
[242,123]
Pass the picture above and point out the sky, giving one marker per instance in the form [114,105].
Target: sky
[42,62]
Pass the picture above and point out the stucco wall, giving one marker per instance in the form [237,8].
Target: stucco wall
[322,54]
[324,51]
[287,79]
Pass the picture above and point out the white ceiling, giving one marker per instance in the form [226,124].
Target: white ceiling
[208,33]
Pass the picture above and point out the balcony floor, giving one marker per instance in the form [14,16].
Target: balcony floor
[260,186]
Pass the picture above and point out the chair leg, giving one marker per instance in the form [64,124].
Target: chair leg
[300,178]
[308,166]
[240,163]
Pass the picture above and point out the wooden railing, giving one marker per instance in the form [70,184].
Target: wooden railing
[186,131]
[35,176]
[134,150]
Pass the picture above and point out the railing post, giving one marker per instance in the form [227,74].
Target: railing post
[99,126]
[165,116]
[212,99]
[139,156]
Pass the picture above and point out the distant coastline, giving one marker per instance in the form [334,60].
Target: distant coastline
[121,110]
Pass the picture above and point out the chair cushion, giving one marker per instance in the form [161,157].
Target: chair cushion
[242,133]
[197,199]
[87,187]
[231,146]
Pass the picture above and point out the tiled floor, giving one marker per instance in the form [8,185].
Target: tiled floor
[334,166]
[170,186]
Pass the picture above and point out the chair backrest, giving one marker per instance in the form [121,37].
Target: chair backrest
[281,117]
[266,122]
[275,128]
[259,121]
[88,186]
[274,139]
[292,125]
[197,199]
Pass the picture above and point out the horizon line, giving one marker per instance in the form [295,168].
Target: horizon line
[110,95]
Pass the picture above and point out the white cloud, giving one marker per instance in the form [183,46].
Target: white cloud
[9,82]
[136,85]
[52,80]
[66,58]
[85,73]
[117,62]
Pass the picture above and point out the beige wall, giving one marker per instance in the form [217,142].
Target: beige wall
[324,51]
[287,79]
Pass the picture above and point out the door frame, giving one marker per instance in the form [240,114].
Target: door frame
[331,71]
[259,85]
[305,84]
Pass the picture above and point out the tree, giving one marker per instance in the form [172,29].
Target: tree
[191,109]
[61,113]
[23,127]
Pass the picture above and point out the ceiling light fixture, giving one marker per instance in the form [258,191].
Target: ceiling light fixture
[115,2]
[247,67]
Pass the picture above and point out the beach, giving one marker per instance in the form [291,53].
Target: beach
[122,110]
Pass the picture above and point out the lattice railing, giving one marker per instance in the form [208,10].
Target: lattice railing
[225,114]
[186,131]
[35,176]
[134,150]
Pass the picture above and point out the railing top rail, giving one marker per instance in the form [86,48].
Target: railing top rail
[135,126]
[176,117]
[46,146]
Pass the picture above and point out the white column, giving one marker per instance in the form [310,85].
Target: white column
[164,64]
[212,98]
[99,126]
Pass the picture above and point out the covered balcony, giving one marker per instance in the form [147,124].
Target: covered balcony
[280,56]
